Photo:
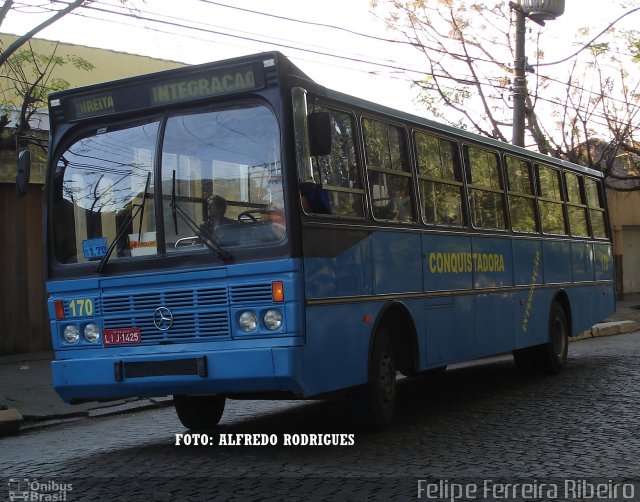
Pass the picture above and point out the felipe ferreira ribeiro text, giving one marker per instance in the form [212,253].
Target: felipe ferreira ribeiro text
[195,439]
[573,489]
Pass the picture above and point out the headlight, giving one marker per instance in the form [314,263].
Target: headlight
[272,319]
[91,332]
[248,321]
[71,333]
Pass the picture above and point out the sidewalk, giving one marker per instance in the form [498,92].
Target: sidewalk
[27,398]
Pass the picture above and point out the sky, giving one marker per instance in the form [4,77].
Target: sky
[229,28]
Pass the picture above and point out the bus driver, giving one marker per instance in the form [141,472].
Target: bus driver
[216,207]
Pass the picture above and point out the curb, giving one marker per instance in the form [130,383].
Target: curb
[10,420]
[608,329]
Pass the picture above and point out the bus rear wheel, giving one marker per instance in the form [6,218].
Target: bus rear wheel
[556,350]
[377,401]
[199,412]
[550,357]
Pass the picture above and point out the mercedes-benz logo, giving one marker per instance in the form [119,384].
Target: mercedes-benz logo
[163,318]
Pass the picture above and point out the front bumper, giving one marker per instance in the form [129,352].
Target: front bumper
[256,370]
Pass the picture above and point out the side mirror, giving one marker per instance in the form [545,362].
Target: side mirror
[320,137]
[23,173]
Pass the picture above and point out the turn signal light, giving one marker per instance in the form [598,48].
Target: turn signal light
[277,291]
[59,306]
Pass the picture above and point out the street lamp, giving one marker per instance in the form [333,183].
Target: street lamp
[538,11]
[543,10]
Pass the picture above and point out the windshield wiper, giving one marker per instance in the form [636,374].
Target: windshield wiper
[135,209]
[208,239]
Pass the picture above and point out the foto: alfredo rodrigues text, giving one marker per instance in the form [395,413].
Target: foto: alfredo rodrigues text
[259,439]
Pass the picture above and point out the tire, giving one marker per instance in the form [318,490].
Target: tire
[199,412]
[377,401]
[554,353]
[550,357]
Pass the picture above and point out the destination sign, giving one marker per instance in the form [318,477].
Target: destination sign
[92,106]
[186,85]
[202,86]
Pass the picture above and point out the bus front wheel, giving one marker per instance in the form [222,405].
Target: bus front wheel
[199,412]
[377,401]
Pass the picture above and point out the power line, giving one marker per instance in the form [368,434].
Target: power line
[590,43]
[176,22]
[461,80]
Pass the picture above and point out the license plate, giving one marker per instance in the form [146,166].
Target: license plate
[119,336]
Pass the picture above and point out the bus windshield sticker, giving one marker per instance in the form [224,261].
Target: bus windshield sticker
[94,249]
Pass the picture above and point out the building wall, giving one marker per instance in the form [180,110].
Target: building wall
[23,314]
[624,212]
[22,309]
[109,65]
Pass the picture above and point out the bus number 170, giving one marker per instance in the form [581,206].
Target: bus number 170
[81,307]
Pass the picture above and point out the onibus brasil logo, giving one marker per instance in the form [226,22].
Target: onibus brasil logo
[37,490]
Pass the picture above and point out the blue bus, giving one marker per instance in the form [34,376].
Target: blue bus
[235,229]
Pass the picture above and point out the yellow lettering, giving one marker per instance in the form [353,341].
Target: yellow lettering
[81,307]
[529,304]
[458,263]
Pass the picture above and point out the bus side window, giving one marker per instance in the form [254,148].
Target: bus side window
[439,180]
[486,195]
[550,201]
[576,207]
[596,208]
[522,200]
[340,191]
[389,171]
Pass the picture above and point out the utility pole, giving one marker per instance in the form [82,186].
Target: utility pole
[538,11]
[520,79]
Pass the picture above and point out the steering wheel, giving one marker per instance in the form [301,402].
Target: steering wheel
[248,215]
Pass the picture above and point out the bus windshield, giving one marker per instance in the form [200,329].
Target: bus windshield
[218,180]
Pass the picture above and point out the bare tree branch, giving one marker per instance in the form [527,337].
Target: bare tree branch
[4,10]
[20,41]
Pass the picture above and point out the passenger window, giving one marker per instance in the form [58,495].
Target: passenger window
[340,192]
[486,197]
[576,207]
[439,180]
[389,171]
[596,208]
[550,201]
[522,201]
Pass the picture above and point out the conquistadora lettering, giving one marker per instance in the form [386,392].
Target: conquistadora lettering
[458,263]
